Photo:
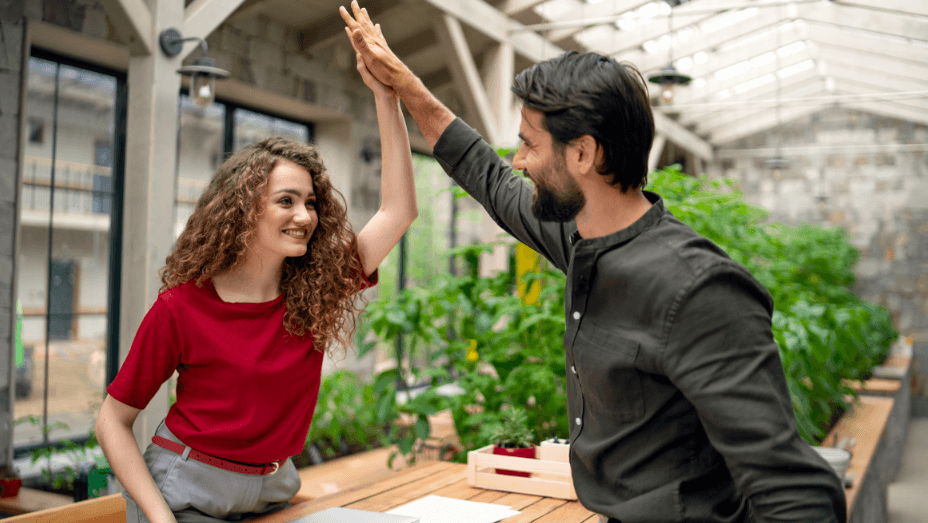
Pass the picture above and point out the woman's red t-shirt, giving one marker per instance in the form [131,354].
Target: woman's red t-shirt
[246,388]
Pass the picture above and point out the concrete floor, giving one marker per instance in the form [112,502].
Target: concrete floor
[908,494]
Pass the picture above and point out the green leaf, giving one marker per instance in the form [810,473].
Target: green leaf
[422,428]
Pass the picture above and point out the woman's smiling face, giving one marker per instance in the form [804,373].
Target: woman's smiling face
[289,217]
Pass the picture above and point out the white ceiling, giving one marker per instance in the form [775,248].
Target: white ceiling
[754,63]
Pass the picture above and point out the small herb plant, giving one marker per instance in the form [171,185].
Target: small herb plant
[513,430]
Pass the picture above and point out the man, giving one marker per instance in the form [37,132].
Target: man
[679,409]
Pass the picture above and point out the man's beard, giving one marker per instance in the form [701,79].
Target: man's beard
[563,206]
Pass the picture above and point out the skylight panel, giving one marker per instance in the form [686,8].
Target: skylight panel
[753,84]
[797,68]
[727,19]
[733,70]
[627,23]
[684,64]
[764,59]
[701,57]
[791,49]
[556,9]
[595,37]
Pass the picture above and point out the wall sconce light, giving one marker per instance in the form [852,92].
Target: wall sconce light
[203,72]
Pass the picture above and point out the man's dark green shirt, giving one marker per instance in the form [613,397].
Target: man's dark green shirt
[678,404]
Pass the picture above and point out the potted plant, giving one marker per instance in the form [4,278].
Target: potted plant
[513,437]
[9,482]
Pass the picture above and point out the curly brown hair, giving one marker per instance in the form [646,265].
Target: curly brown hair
[320,287]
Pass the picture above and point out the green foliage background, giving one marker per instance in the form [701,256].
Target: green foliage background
[501,353]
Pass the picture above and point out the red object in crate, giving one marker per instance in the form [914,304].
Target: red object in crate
[9,487]
[528,452]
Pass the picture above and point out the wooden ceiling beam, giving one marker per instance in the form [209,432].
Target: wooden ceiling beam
[132,20]
[202,17]
[467,76]
[496,25]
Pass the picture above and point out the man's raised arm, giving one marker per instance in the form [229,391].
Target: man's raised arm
[430,115]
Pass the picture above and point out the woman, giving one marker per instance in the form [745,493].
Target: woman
[261,283]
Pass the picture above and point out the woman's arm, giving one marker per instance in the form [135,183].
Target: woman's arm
[114,433]
[398,206]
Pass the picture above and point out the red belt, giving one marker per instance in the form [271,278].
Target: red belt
[231,466]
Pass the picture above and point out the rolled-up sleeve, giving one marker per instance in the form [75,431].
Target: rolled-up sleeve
[722,356]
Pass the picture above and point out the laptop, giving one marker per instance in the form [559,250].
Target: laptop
[350,515]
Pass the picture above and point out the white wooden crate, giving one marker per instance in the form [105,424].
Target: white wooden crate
[550,472]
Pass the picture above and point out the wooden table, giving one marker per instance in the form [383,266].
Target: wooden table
[441,479]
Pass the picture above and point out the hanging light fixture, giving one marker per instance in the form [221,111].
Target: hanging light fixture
[778,161]
[202,72]
[668,77]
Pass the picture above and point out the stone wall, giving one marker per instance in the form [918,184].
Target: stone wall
[846,168]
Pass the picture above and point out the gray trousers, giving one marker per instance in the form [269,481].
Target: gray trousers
[200,493]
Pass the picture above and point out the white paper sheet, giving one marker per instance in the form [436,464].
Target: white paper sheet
[439,509]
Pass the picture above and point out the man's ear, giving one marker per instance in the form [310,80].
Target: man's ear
[586,154]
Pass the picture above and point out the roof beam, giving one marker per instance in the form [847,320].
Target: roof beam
[494,24]
[202,17]
[657,149]
[907,7]
[712,86]
[877,67]
[514,7]
[716,60]
[863,76]
[715,119]
[762,122]
[705,42]
[498,72]
[681,136]
[867,42]
[683,16]
[466,76]
[332,28]
[585,11]
[868,20]
[133,21]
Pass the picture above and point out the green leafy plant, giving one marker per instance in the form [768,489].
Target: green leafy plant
[513,430]
[498,351]
[76,453]
[502,353]
[826,334]
[345,416]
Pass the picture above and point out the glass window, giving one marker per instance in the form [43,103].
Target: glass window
[202,142]
[207,137]
[251,127]
[64,270]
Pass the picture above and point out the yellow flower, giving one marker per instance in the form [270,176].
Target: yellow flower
[472,351]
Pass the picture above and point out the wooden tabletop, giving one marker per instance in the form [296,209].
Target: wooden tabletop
[441,479]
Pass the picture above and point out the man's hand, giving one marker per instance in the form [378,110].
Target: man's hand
[369,42]
[382,70]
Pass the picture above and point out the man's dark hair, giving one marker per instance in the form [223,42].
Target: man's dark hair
[593,94]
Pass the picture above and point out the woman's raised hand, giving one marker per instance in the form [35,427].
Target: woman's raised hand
[368,42]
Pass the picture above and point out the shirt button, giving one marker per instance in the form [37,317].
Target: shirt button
[576,315]
[573,369]
[578,421]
